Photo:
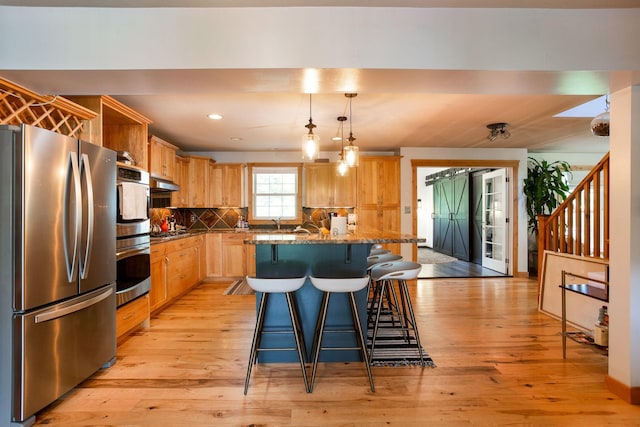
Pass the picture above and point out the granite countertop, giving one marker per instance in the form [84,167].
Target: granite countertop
[288,237]
[315,238]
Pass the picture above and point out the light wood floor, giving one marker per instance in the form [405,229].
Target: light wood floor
[499,362]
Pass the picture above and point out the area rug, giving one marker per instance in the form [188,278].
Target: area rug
[429,256]
[239,287]
[392,349]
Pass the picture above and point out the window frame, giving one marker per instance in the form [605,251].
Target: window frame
[251,210]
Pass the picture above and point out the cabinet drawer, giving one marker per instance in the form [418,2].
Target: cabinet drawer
[131,315]
[158,250]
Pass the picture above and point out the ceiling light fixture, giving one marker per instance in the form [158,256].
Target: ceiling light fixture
[496,130]
[342,163]
[310,141]
[600,123]
[350,152]
[215,116]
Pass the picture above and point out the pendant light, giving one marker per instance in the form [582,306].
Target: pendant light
[342,162]
[600,123]
[350,152]
[310,141]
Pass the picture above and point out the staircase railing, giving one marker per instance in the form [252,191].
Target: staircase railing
[580,225]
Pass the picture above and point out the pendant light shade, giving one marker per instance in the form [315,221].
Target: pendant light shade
[342,162]
[310,141]
[350,152]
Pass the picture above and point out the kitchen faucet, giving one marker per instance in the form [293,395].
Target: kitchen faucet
[277,221]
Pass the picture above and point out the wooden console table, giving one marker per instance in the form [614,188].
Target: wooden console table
[589,289]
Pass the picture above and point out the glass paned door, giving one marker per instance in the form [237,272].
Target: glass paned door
[494,221]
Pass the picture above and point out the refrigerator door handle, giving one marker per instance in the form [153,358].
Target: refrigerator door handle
[73,172]
[84,263]
[60,312]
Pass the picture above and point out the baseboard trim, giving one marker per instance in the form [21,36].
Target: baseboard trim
[628,394]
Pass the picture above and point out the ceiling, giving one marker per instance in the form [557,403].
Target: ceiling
[265,109]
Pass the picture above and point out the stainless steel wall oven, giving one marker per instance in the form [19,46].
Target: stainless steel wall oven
[132,230]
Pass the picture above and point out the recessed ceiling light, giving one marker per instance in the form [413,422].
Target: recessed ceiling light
[336,138]
[214,116]
[235,138]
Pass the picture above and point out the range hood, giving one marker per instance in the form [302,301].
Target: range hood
[157,185]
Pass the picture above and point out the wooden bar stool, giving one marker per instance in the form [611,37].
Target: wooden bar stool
[329,287]
[268,287]
[399,272]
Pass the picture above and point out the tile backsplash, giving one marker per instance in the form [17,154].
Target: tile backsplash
[227,218]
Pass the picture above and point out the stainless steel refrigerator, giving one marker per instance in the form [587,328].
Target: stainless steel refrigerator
[57,267]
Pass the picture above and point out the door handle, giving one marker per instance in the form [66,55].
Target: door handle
[59,312]
[73,175]
[84,166]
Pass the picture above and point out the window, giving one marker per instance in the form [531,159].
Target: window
[275,192]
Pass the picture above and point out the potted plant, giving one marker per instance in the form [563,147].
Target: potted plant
[545,187]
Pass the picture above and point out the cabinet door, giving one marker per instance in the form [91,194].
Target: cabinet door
[216,190]
[213,252]
[198,182]
[319,185]
[250,254]
[201,251]
[344,189]
[233,255]
[181,196]
[156,165]
[158,292]
[233,185]
[368,182]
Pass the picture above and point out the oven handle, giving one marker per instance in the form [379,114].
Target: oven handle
[133,251]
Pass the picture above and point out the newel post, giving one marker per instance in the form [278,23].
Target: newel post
[542,244]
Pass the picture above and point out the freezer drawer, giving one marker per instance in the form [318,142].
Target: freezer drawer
[58,347]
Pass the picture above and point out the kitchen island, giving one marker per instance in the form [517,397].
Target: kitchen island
[282,255]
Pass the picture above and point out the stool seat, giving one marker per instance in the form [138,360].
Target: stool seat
[379,251]
[377,259]
[259,284]
[398,270]
[330,286]
[340,285]
[286,286]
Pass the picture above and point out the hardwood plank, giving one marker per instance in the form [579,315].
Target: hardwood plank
[499,362]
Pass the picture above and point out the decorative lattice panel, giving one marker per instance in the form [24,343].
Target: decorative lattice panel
[19,105]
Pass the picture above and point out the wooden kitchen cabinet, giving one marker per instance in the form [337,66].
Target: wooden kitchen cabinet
[162,158]
[378,183]
[116,126]
[199,181]
[176,267]
[325,187]
[226,185]
[180,198]
[227,255]
[158,294]
[233,255]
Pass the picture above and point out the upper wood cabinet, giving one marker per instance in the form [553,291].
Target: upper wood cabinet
[379,195]
[226,185]
[180,198]
[325,187]
[162,158]
[116,126]
[199,181]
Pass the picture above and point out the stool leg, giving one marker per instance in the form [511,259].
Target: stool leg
[360,337]
[404,289]
[376,321]
[256,339]
[297,333]
[317,342]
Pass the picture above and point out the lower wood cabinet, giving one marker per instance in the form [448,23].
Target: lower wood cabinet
[227,255]
[176,267]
